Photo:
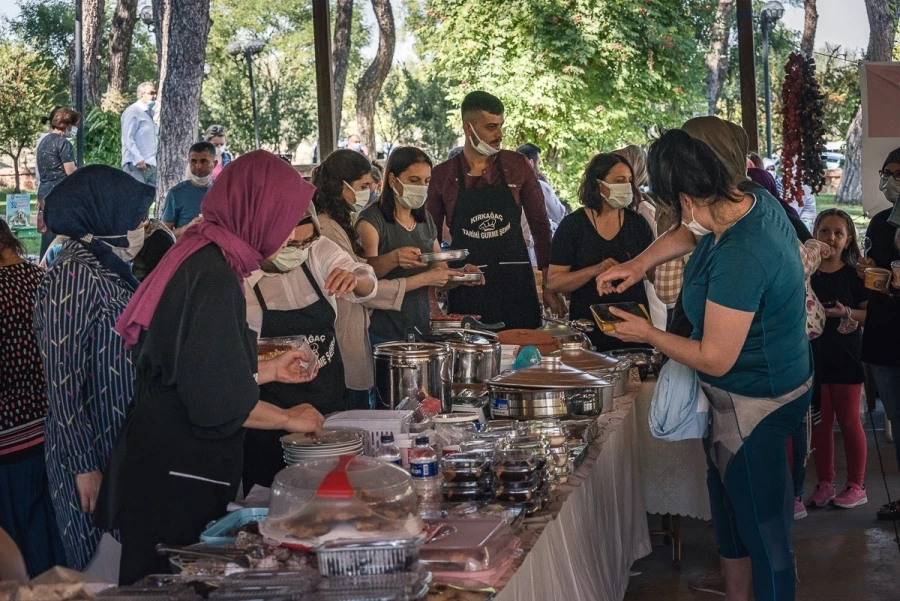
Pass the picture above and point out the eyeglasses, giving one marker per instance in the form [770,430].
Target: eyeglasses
[304,244]
[887,173]
[217,130]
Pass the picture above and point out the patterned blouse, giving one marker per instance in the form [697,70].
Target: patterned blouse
[23,402]
[89,374]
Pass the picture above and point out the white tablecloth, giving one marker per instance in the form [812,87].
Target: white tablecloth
[674,473]
[587,551]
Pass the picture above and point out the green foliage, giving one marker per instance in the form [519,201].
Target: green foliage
[47,28]
[838,75]
[103,138]
[284,73]
[25,90]
[413,109]
[577,76]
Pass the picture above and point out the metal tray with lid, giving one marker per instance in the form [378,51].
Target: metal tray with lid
[598,364]
[549,389]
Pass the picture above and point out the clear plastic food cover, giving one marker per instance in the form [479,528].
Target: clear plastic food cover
[270,348]
[346,497]
[472,545]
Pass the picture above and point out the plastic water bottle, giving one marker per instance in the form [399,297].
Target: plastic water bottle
[423,464]
[388,451]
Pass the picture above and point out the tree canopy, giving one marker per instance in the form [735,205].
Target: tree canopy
[577,76]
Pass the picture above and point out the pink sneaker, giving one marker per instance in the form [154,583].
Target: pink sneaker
[822,495]
[852,496]
[799,510]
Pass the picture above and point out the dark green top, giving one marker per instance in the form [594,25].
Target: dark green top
[415,310]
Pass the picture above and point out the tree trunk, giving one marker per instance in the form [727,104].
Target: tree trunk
[340,54]
[849,192]
[183,33]
[810,23]
[15,159]
[717,58]
[91,35]
[369,86]
[120,37]
[882,28]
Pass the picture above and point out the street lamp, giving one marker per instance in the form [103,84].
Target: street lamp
[248,50]
[768,16]
[146,17]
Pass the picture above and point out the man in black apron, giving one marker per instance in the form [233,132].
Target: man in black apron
[327,392]
[481,194]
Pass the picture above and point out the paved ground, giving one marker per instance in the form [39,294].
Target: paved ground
[841,554]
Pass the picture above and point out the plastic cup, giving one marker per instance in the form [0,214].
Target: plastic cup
[895,267]
[877,279]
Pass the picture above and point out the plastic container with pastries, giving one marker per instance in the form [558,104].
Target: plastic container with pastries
[346,497]
[465,467]
[473,545]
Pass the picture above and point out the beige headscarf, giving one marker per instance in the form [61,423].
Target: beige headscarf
[637,158]
[727,139]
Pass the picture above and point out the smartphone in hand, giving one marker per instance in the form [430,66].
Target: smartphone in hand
[606,321]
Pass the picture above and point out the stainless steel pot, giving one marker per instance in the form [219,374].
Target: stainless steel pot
[474,356]
[598,364]
[412,370]
[549,389]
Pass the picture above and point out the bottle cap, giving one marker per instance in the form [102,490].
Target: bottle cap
[421,440]
[387,438]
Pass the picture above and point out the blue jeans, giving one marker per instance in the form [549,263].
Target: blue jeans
[887,381]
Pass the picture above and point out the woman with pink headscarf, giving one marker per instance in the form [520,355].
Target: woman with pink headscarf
[177,462]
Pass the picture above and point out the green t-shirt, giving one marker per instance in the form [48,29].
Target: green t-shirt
[755,266]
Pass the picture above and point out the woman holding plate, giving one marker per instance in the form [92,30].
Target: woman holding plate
[395,232]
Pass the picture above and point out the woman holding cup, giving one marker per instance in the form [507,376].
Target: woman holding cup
[879,347]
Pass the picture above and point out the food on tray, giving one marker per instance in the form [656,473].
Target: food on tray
[445,592]
[264,352]
[354,498]
[453,317]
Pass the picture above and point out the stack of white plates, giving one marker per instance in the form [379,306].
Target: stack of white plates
[330,443]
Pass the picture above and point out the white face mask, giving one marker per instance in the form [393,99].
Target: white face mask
[220,150]
[413,197]
[695,227]
[135,243]
[361,197]
[890,188]
[203,182]
[481,147]
[73,131]
[290,258]
[620,195]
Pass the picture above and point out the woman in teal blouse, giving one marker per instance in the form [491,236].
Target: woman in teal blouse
[744,291]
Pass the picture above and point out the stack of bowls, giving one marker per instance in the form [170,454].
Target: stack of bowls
[330,443]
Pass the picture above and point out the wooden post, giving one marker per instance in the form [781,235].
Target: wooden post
[747,57]
[324,77]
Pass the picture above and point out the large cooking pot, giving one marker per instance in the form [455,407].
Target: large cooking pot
[598,364]
[549,389]
[412,370]
[474,356]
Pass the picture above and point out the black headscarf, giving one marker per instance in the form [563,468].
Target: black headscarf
[99,200]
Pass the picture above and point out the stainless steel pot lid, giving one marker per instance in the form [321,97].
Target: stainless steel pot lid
[410,350]
[574,355]
[550,373]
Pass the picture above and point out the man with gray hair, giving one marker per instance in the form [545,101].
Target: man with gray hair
[139,136]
